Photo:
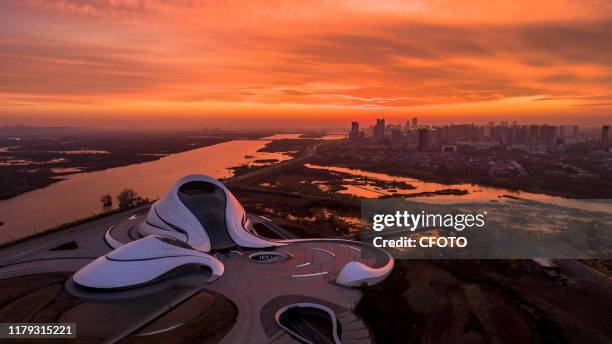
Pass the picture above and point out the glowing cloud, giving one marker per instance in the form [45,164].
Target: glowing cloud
[83,61]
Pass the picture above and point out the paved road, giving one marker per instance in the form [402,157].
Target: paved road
[311,151]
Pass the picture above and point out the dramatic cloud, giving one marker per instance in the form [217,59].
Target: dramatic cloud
[549,57]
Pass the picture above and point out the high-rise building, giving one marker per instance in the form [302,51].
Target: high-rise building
[414,123]
[354,133]
[548,134]
[605,137]
[504,135]
[486,131]
[379,131]
[396,136]
[533,135]
[423,139]
[521,134]
[438,134]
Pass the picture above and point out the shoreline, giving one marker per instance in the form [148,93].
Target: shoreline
[46,178]
[45,181]
[117,210]
[114,211]
[450,181]
[70,224]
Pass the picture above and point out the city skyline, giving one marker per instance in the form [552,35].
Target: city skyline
[504,132]
[341,125]
[130,64]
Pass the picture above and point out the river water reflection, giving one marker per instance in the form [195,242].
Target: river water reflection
[363,185]
[79,195]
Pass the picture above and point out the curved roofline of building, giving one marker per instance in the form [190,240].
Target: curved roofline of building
[169,216]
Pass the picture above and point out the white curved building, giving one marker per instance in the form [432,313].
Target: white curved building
[203,213]
[141,262]
[200,218]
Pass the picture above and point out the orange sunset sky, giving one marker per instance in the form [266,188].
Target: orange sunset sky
[166,64]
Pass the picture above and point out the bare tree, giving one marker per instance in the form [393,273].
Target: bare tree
[107,201]
[127,198]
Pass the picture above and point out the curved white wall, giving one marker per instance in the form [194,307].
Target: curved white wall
[169,216]
[354,274]
[140,262]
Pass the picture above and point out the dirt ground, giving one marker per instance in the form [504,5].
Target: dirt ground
[480,302]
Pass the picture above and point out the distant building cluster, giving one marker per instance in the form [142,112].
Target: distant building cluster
[422,138]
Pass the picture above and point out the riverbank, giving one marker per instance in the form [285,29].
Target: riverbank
[519,184]
[287,147]
[514,171]
[37,162]
[78,195]
[63,226]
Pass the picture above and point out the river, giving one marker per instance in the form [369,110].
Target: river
[78,196]
[362,184]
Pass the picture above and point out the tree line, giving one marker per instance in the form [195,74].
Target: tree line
[125,199]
